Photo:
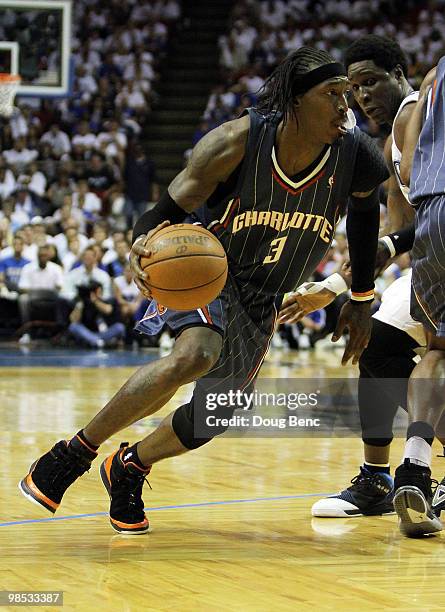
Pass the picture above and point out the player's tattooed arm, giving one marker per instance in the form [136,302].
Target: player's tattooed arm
[212,161]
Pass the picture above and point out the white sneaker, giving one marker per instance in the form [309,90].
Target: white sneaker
[368,495]
[25,339]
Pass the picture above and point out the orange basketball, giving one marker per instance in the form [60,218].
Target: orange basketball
[187,268]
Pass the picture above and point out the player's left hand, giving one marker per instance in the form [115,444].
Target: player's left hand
[357,319]
[307,298]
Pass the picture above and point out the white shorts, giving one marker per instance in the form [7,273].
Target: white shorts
[395,309]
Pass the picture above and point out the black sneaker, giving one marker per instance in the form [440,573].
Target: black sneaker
[412,500]
[370,494]
[51,475]
[124,481]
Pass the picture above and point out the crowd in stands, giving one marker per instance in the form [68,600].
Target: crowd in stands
[74,175]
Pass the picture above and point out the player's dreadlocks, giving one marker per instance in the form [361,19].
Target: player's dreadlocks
[279,91]
[384,52]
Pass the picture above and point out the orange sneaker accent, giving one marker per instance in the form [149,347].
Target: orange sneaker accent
[30,484]
[146,471]
[125,463]
[127,526]
[108,462]
[86,445]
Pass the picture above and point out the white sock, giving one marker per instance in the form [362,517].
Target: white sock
[418,451]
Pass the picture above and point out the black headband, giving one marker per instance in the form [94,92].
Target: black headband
[306,81]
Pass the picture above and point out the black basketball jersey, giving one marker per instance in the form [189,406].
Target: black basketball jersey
[276,230]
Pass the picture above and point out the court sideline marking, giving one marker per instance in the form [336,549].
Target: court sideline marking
[157,508]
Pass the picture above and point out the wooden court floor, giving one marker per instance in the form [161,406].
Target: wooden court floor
[231,522]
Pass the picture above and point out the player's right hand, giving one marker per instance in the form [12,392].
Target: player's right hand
[307,298]
[138,250]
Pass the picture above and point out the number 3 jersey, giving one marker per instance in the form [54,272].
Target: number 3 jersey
[276,229]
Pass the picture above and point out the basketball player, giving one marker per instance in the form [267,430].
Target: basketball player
[423,167]
[271,186]
[395,336]
[377,68]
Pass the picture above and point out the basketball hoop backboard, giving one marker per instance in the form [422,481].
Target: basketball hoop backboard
[35,39]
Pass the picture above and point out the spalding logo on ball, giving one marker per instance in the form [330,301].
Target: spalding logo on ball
[187,268]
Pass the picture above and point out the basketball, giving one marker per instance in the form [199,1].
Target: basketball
[187,268]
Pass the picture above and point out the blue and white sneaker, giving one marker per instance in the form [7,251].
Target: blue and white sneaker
[370,494]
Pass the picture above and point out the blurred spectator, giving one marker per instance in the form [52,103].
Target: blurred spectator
[34,180]
[84,275]
[14,217]
[252,81]
[87,203]
[47,161]
[140,182]
[19,156]
[139,69]
[94,319]
[83,137]
[131,301]
[109,69]
[233,56]
[117,216]
[39,235]
[60,188]
[72,254]
[25,202]
[69,228]
[11,267]
[273,12]
[112,142]
[100,234]
[57,140]
[219,92]
[10,271]
[126,292]
[29,250]
[130,99]
[7,181]
[100,176]
[110,243]
[118,263]
[39,287]
[86,82]
[99,252]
